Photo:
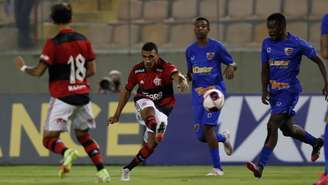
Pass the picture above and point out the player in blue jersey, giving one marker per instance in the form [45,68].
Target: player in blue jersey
[204,58]
[324,53]
[281,58]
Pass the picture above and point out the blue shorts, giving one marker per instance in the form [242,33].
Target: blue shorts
[284,102]
[200,115]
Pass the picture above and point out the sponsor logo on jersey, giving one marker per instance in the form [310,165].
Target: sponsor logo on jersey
[288,51]
[279,63]
[76,87]
[44,57]
[155,96]
[139,71]
[210,55]
[202,69]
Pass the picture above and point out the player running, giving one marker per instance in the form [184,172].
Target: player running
[204,58]
[281,59]
[70,60]
[154,100]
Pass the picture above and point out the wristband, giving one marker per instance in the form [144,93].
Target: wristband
[23,68]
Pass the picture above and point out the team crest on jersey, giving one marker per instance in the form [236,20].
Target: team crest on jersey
[142,82]
[157,81]
[289,51]
[210,55]
[268,50]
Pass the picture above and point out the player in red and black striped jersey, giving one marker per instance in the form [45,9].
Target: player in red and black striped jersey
[70,60]
[154,99]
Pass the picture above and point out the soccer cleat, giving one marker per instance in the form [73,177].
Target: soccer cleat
[322,181]
[69,156]
[160,132]
[227,144]
[316,150]
[103,176]
[257,170]
[125,176]
[215,172]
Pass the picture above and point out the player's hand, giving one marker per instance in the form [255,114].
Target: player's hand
[19,62]
[265,97]
[229,72]
[112,120]
[196,127]
[183,85]
[325,92]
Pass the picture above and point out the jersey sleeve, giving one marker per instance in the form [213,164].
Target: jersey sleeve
[264,54]
[324,25]
[132,81]
[169,70]
[307,49]
[189,65]
[90,53]
[224,55]
[48,53]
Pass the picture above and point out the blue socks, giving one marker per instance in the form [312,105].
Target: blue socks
[215,158]
[264,155]
[325,147]
[220,138]
[309,139]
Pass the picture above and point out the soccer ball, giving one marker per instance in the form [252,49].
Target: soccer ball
[213,100]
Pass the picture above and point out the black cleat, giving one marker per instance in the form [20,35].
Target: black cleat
[257,170]
[316,150]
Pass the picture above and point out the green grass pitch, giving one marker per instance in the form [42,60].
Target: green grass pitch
[160,175]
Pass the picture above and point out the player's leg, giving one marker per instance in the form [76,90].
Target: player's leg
[57,122]
[82,121]
[270,142]
[323,180]
[150,117]
[297,132]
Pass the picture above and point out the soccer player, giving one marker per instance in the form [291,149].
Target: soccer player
[70,60]
[324,53]
[154,100]
[204,58]
[281,59]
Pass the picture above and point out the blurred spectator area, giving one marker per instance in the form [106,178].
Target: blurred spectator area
[126,24]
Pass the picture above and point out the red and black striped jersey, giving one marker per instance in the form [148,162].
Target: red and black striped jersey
[155,84]
[67,55]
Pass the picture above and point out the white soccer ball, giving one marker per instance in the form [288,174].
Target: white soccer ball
[213,100]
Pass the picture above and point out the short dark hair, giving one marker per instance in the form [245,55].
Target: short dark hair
[149,46]
[278,17]
[61,13]
[202,19]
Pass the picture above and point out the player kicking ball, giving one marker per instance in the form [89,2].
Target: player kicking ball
[154,100]
[281,58]
[70,60]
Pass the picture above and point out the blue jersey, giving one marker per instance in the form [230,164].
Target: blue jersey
[284,58]
[324,25]
[205,63]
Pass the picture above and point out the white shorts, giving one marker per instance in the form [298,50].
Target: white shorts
[160,117]
[61,115]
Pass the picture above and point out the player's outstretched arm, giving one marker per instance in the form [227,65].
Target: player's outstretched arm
[124,97]
[181,80]
[230,70]
[37,70]
[91,69]
[323,71]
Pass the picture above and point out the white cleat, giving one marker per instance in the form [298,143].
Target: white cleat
[215,172]
[125,176]
[227,144]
